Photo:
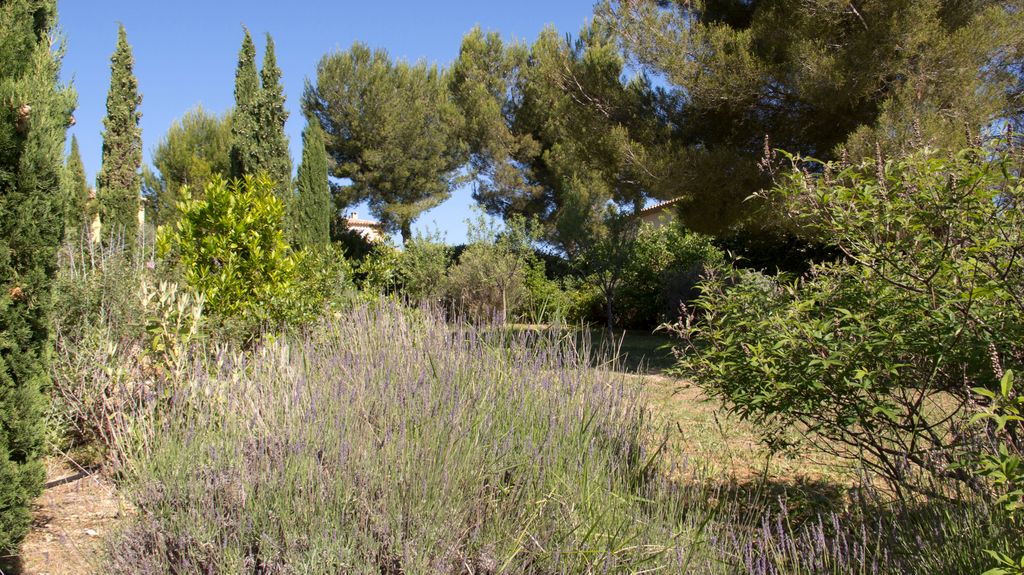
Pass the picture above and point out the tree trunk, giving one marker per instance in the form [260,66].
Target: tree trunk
[406,232]
[608,295]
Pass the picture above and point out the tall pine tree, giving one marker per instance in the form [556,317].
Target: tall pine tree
[34,114]
[392,129]
[313,206]
[76,194]
[119,182]
[817,77]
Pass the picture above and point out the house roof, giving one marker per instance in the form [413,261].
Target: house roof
[363,223]
[659,206]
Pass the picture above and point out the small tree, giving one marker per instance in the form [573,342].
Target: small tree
[195,149]
[119,182]
[489,278]
[230,247]
[421,268]
[876,353]
[76,194]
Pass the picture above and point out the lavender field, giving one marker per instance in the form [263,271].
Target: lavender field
[389,441]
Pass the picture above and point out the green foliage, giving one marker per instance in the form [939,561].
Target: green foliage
[313,206]
[392,129]
[119,182]
[610,239]
[259,145]
[378,272]
[230,248]
[815,77]
[489,280]
[876,353]
[244,128]
[195,150]
[421,268]
[544,301]
[273,158]
[553,130]
[77,213]
[34,114]
[1005,413]
[665,265]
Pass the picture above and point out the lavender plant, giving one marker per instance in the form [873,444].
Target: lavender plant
[390,442]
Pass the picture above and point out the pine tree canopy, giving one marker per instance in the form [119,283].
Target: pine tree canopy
[34,117]
[392,128]
[555,131]
[195,149]
[816,77]
[119,182]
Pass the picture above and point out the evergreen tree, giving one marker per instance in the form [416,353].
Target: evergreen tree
[76,194]
[259,144]
[313,208]
[274,157]
[34,117]
[392,129]
[245,125]
[815,77]
[554,132]
[119,182]
[195,149]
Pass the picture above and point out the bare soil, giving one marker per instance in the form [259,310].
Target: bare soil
[71,519]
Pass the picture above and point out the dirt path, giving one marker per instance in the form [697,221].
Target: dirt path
[70,519]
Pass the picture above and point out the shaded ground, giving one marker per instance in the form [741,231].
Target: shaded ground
[70,520]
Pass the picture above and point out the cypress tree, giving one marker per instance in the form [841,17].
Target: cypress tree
[119,182]
[245,127]
[274,157]
[313,205]
[258,142]
[34,113]
[76,194]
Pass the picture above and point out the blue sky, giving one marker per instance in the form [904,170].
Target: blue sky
[185,54]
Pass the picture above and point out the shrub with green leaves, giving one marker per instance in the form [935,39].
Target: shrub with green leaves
[874,355]
[229,246]
[489,279]
[665,265]
[1004,413]
[421,268]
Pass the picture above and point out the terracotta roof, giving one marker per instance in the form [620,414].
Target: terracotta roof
[366,223]
[658,206]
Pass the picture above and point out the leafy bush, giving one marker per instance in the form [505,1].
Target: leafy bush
[664,267]
[876,354]
[421,268]
[96,311]
[489,279]
[544,300]
[1005,414]
[229,247]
